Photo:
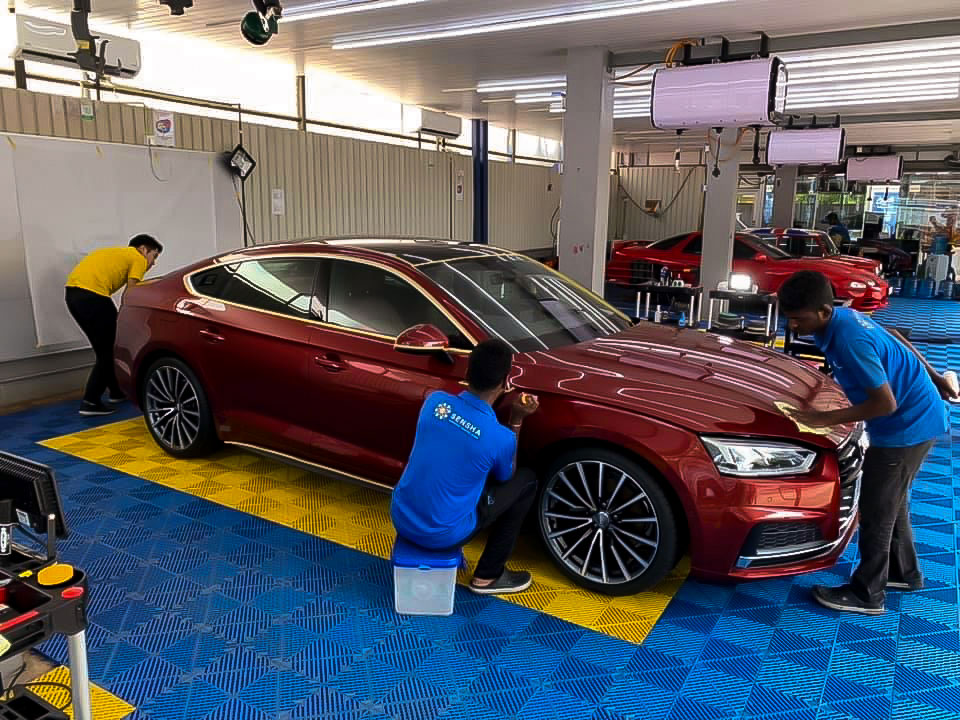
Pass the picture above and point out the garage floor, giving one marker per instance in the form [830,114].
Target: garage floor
[236,588]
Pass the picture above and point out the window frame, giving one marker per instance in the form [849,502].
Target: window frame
[417,284]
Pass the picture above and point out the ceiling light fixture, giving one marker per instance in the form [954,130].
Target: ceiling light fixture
[518,21]
[876,85]
[524,84]
[534,98]
[341,7]
[886,69]
[897,57]
[863,51]
[872,92]
[874,100]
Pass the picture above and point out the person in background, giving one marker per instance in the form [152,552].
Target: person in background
[88,295]
[947,228]
[838,231]
[900,396]
[462,477]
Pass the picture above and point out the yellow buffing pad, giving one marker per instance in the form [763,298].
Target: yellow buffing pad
[789,410]
[55,575]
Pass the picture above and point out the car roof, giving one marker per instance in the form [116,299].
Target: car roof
[413,251]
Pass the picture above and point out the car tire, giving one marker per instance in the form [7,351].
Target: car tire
[177,411]
[607,522]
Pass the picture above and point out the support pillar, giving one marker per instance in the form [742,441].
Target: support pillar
[784,195]
[481,184]
[720,211]
[587,149]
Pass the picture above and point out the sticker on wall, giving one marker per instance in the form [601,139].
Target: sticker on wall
[278,202]
[458,188]
[164,129]
[86,110]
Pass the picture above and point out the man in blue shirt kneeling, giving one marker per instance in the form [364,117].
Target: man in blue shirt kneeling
[461,477]
[894,389]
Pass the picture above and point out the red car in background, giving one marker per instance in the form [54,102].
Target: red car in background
[633,263]
[802,243]
[650,441]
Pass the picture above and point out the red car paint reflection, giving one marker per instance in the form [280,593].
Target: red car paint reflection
[650,441]
[633,263]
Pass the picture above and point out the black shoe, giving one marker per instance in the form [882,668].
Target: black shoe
[905,586]
[89,409]
[508,582]
[843,598]
[116,399]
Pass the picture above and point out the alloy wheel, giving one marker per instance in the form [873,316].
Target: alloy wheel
[599,522]
[173,407]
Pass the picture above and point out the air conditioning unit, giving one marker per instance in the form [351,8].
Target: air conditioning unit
[819,146]
[722,95]
[874,168]
[53,43]
[429,122]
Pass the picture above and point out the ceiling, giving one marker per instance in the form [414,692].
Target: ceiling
[443,73]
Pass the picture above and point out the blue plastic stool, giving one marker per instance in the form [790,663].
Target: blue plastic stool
[424,581]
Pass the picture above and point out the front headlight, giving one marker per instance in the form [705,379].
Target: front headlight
[748,458]
[856,285]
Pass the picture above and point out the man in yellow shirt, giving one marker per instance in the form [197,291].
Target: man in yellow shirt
[89,289]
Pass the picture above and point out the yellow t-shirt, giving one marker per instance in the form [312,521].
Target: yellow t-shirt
[107,270]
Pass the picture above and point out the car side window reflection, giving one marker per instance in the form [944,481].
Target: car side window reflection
[280,285]
[369,298]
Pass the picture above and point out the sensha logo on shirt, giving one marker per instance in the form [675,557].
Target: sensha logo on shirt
[444,411]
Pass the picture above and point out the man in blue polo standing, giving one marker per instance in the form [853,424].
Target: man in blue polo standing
[462,478]
[900,396]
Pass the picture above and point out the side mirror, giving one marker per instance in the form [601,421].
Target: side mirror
[422,339]
[760,258]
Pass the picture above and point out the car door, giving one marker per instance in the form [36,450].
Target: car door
[744,261]
[367,394]
[253,321]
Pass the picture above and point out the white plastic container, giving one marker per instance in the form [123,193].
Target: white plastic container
[424,590]
[424,581]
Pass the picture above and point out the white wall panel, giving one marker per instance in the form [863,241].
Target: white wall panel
[523,199]
[628,222]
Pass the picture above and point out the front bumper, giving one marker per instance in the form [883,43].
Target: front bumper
[875,298]
[788,526]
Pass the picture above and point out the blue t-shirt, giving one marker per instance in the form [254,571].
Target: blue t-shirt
[864,356]
[842,231]
[459,445]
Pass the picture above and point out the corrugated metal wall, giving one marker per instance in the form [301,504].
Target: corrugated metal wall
[331,185]
[628,222]
[523,200]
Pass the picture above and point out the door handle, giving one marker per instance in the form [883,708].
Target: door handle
[330,363]
[211,336]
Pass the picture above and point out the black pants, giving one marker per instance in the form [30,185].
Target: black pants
[97,317]
[502,508]
[886,536]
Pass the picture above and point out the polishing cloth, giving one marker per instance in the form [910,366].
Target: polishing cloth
[789,410]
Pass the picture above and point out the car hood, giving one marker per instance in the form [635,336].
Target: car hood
[831,267]
[860,263]
[706,383]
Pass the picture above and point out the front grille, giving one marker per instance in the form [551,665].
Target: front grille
[770,537]
[850,457]
[642,271]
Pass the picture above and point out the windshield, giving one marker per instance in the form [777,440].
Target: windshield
[829,245]
[524,303]
[767,248]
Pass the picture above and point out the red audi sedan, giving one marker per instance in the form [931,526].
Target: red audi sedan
[650,441]
[769,266]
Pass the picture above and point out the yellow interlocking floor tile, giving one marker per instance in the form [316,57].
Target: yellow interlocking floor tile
[104,705]
[353,516]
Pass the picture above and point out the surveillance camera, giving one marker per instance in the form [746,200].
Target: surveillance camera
[177,7]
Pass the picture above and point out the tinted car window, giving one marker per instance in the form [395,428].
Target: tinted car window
[695,246]
[366,297]
[279,285]
[742,251]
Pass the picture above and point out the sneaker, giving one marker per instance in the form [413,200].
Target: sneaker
[508,582]
[89,409]
[116,399]
[905,586]
[844,599]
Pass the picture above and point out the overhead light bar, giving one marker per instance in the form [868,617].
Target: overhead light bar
[896,57]
[842,92]
[920,69]
[534,98]
[518,21]
[546,83]
[829,79]
[872,85]
[340,7]
[874,101]
[864,51]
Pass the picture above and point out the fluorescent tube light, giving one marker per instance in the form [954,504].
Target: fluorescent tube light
[518,21]
[919,69]
[873,101]
[862,51]
[827,78]
[841,92]
[533,98]
[340,7]
[875,85]
[519,85]
[896,57]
